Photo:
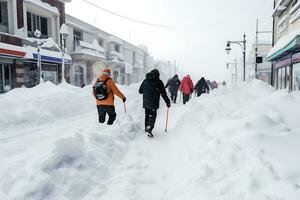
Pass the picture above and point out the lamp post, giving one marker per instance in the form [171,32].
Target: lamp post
[38,34]
[64,34]
[242,44]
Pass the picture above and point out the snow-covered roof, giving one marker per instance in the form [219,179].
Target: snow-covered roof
[44,5]
[284,41]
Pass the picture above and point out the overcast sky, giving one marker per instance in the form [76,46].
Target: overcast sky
[199,52]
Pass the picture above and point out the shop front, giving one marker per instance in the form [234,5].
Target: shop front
[9,55]
[286,65]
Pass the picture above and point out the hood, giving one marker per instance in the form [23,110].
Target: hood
[154,74]
[175,77]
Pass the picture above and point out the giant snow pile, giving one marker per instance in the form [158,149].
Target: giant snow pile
[228,145]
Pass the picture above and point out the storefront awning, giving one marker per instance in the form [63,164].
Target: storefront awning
[47,56]
[285,46]
[7,50]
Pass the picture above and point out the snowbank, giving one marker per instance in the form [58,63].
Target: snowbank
[230,144]
[43,104]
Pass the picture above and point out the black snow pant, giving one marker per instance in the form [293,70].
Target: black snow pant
[109,110]
[186,98]
[150,117]
[174,96]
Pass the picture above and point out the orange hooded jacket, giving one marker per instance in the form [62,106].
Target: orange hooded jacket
[111,89]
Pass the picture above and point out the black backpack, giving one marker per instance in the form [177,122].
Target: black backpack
[100,89]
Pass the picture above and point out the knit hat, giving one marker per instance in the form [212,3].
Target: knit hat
[106,71]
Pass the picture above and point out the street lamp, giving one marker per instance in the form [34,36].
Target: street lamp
[38,34]
[242,44]
[64,34]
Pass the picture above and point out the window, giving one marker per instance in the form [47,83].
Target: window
[117,48]
[101,42]
[296,76]
[294,3]
[282,24]
[35,22]
[3,17]
[77,36]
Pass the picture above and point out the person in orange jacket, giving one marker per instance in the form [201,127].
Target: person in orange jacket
[107,106]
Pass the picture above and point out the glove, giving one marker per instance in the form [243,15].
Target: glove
[168,105]
[124,99]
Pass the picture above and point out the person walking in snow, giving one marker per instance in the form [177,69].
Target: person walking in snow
[186,88]
[201,87]
[173,85]
[152,88]
[104,91]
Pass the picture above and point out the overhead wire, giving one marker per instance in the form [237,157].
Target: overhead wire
[140,21]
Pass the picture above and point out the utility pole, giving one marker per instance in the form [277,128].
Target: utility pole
[256,48]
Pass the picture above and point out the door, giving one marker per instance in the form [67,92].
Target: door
[5,79]
[79,76]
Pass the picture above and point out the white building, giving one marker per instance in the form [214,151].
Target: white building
[18,47]
[264,68]
[93,49]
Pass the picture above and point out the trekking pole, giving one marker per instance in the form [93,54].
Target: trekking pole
[167,120]
[125,108]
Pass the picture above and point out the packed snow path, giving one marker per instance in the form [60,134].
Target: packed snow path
[231,144]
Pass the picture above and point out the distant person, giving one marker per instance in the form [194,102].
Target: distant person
[186,88]
[201,87]
[214,85]
[104,90]
[152,88]
[173,86]
[224,84]
[208,83]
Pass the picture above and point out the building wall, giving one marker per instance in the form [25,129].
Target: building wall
[290,26]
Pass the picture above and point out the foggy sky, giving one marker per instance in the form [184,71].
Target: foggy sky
[199,52]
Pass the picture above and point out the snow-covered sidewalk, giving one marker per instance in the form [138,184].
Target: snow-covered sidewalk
[231,144]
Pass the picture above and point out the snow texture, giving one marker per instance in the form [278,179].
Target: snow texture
[228,145]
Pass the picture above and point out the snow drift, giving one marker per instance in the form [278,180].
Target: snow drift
[230,144]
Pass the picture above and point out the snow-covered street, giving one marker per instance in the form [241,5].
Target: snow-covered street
[228,145]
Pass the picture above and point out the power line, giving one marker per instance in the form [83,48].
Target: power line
[139,21]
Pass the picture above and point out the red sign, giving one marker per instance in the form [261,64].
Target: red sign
[8,52]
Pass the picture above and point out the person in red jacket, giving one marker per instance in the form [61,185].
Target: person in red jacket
[186,88]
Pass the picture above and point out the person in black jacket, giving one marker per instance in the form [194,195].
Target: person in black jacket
[201,87]
[152,87]
[173,85]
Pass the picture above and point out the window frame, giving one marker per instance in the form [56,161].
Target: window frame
[34,22]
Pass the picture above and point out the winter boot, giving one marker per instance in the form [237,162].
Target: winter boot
[149,131]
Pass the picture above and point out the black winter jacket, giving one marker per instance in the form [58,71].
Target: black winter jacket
[173,84]
[201,86]
[151,88]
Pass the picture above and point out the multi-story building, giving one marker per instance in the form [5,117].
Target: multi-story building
[285,54]
[263,68]
[93,49]
[19,19]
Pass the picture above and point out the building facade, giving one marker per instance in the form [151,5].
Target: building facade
[285,54]
[19,19]
[263,68]
[93,49]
